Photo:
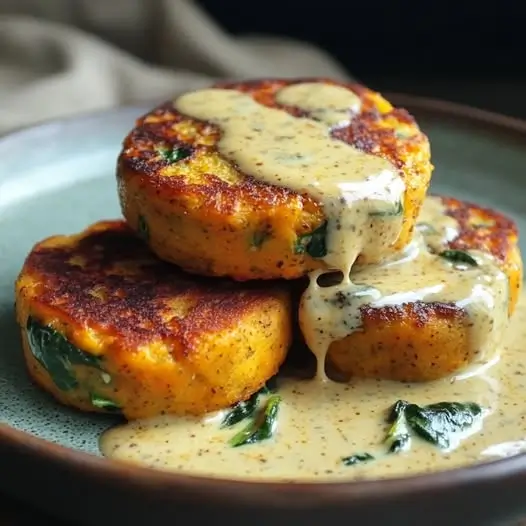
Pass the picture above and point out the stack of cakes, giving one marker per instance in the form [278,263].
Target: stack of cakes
[253,211]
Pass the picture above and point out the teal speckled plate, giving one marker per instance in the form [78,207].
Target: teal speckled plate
[59,177]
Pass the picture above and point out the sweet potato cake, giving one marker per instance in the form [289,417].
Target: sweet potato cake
[106,326]
[407,338]
[197,208]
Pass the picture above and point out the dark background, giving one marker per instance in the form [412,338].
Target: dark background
[466,51]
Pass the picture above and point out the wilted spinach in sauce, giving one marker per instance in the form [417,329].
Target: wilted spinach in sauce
[437,424]
[458,256]
[247,408]
[262,426]
[357,459]
[398,437]
[241,411]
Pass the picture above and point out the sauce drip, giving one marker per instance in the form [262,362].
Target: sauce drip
[360,193]
[419,273]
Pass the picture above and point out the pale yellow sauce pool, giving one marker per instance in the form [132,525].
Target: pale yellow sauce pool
[319,422]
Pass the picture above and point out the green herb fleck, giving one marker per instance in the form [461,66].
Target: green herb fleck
[259,237]
[142,225]
[347,299]
[398,438]
[357,459]
[104,403]
[56,354]
[175,153]
[262,427]
[458,256]
[314,243]
[397,210]
[439,423]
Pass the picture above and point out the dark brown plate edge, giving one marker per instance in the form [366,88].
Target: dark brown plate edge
[500,474]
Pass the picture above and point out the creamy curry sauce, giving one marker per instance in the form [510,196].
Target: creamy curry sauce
[320,420]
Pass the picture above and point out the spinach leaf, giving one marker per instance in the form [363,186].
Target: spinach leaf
[357,459]
[56,354]
[247,408]
[397,210]
[175,153]
[104,403]
[438,423]
[458,256]
[398,438]
[314,243]
[241,410]
[143,229]
[262,427]
[396,411]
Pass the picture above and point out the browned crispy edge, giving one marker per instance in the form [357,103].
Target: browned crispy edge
[139,156]
[133,308]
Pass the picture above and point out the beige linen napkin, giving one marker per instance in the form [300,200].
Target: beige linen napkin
[60,57]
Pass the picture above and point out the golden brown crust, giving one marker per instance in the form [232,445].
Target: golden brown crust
[481,229]
[236,205]
[170,342]
[369,131]
[420,313]
[136,303]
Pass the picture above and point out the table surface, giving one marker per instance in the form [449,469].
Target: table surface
[499,96]
[16,513]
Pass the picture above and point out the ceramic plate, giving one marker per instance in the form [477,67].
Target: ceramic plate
[58,178]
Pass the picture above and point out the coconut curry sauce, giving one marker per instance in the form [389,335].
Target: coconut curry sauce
[322,426]
[330,430]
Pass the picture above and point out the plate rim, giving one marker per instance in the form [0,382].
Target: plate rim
[272,493]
